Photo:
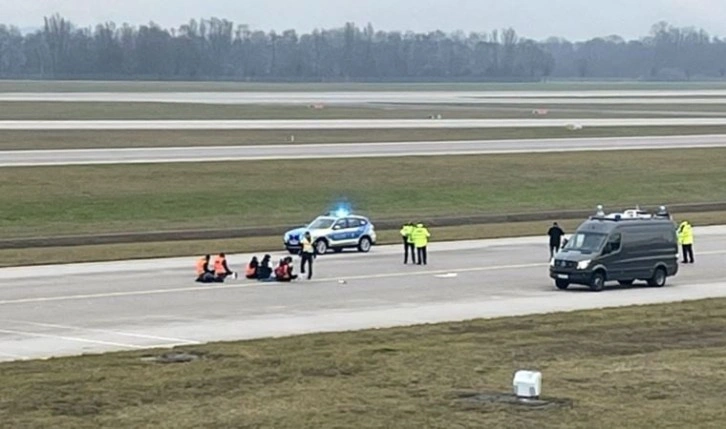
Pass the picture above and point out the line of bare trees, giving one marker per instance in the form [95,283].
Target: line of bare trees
[219,49]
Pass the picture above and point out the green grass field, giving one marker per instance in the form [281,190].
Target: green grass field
[640,367]
[79,139]
[17,110]
[43,201]
[157,86]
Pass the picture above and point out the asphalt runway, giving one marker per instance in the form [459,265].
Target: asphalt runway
[92,308]
[366,97]
[350,124]
[20,158]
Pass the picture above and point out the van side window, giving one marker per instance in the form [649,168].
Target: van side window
[613,244]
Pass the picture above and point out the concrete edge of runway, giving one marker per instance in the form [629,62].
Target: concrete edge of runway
[187,262]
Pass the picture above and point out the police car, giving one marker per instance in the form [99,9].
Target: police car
[335,231]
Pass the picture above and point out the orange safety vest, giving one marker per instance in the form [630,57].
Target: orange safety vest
[250,270]
[219,265]
[201,266]
[281,271]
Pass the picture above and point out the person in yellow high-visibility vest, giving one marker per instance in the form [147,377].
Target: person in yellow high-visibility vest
[685,238]
[406,231]
[307,253]
[420,237]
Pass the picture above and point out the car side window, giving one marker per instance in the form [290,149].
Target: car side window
[354,223]
[613,243]
[341,224]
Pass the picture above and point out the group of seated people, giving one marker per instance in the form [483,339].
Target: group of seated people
[255,270]
[261,270]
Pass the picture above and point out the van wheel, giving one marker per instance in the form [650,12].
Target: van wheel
[659,278]
[626,282]
[597,283]
[562,284]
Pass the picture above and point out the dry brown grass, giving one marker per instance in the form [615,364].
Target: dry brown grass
[643,367]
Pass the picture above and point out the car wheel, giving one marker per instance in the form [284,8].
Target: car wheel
[364,245]
[321,246]
[626,282]
[562,284]
[597,283]
[659,278]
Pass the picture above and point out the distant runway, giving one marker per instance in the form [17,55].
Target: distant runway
[364,97]
[23,158]
[349,124]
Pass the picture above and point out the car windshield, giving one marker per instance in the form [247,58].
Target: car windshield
[321,223]
[585,242]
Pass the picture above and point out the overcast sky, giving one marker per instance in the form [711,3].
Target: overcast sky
[573,19]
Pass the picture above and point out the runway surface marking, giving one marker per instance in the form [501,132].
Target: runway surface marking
[212,287]
[67,338]
[102,331]
[221,286]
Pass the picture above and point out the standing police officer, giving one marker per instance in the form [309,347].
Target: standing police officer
[421,236]
[685,237]
[406,234]
[307,252]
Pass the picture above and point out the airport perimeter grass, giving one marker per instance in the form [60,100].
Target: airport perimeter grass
[93,139]
[49,201]
[638,367]
[114,252]
[21,110]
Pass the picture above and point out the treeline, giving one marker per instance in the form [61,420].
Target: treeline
[217,49]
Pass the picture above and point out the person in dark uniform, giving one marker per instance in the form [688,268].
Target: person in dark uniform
[555,233]
[307,253]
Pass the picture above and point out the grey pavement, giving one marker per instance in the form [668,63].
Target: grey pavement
[19,158]
[362,97]
[90,308]
[349,124]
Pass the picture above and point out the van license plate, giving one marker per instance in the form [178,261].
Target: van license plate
[562,276]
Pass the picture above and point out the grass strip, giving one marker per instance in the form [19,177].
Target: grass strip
[52,201]
[95,139]
[601,369]
[22,110]
[113,252]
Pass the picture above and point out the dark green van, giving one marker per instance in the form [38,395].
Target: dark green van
[619,247]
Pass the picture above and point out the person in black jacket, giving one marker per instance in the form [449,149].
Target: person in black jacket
[555,233]
[264,270]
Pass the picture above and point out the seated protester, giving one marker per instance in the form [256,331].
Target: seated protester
[204,274]
[221,269]
[251,270]
[264,270]
[290,267]
[283,272]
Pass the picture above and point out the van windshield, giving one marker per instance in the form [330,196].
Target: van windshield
[585,242]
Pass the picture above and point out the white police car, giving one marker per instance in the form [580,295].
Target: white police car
[337,231]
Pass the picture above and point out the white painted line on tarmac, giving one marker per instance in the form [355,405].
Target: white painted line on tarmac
[104,331]
[215,287]
[212,287]
[66,338]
